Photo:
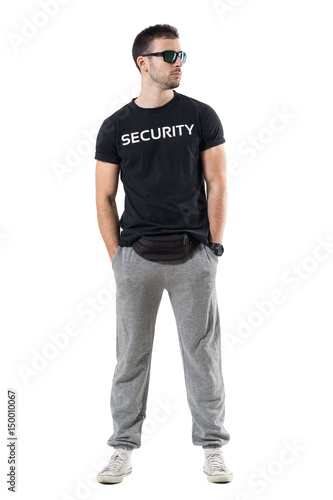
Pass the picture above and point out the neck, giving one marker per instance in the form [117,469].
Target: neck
[153,97]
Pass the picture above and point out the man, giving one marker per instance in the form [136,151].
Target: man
[165,146]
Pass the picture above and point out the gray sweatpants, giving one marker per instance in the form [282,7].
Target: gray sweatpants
[190,283]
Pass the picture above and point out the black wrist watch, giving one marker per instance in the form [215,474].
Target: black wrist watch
[217,248]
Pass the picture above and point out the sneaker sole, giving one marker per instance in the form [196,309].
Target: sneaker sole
[109,479]
[225,478]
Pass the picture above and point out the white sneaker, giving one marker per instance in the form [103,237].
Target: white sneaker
[215,468]
[118,467]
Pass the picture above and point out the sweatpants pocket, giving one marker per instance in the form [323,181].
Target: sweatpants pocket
[211,255]
[115,255]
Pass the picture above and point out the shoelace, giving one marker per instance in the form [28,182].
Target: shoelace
[116,462]
[215,461]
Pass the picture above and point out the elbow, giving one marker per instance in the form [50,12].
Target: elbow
[105,201]
[218,189]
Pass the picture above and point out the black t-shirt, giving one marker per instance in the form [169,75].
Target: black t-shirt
[159,153]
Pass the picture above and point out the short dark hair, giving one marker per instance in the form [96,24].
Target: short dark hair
[144,39]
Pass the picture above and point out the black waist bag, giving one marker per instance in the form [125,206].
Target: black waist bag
[165,247]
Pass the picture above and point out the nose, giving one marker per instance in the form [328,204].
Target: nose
[178,62]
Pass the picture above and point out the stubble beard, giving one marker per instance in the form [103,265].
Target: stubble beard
[164,82]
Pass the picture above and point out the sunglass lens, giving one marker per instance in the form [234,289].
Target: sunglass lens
[170,56]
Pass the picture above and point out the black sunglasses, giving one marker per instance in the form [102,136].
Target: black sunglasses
[169,56]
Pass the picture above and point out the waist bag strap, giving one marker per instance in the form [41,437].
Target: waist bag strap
[165,247]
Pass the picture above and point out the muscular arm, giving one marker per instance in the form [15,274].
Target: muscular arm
[214,165]
[107,175]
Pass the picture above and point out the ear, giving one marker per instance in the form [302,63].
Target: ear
[142,63]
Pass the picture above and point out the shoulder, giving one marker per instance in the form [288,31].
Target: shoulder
[120,114]
[202,107]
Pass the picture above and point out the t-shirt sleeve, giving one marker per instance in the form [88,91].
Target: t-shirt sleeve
[106,143]
[212,133]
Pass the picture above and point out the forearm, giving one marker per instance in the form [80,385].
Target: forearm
[217,197]
[108,223]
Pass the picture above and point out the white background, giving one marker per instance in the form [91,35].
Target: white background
[250,60]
